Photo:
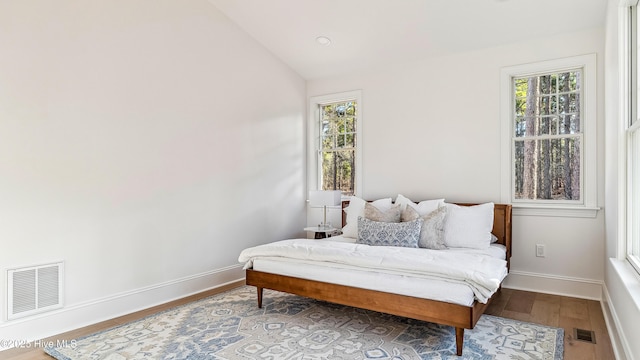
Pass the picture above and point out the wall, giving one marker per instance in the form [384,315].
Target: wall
[432,129]
[622,283]
[145,143]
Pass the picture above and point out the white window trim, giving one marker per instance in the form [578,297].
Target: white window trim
[588,207]
[626,113]
[630,196]
[313,136]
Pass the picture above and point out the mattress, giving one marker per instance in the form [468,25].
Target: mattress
[408,285]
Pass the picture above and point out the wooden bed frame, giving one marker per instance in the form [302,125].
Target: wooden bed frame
[459,316]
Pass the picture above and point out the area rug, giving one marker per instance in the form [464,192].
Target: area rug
[289,327]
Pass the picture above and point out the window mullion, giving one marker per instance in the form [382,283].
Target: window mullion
[547,123]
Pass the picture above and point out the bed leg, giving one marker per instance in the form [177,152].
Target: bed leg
[459,340]
[259,297]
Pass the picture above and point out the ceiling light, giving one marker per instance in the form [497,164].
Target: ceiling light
[323,40]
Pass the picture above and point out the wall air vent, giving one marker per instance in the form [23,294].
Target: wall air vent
[34,289]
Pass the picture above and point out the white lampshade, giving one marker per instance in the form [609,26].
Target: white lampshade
[320,198]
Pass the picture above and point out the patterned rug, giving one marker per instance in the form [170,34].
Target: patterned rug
[230,326]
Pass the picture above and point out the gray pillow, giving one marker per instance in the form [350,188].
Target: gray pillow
[378,233]
[432,233]
[373,213]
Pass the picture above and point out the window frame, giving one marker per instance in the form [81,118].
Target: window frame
[314,165]
[631,194]
[588,206]
[630,36]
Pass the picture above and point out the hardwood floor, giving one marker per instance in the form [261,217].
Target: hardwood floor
[560,311]
[552,310]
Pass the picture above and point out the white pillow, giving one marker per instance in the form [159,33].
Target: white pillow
[356,209]
[422,208]
[468,226]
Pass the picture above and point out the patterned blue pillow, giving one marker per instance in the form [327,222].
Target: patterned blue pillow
[376,233]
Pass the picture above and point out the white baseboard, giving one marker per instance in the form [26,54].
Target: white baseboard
[553,284]
[31,330]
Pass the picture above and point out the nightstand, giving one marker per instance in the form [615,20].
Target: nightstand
[320,232]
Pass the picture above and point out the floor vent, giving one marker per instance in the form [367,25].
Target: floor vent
[584,335]
[34,289]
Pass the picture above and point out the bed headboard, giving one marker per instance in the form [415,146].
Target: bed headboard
[501,224]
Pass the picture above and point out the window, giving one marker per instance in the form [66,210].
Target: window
[548,121]
[338,146]
[633,205]
[334,138]
[547,137]
[632,124]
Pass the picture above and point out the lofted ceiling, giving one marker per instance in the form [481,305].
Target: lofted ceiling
[368,34]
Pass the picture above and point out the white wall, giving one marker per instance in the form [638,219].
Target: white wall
[432,129]
[145,143]
[622,283]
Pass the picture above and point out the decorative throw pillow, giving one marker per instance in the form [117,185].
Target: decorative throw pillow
[373,213]
[356,209]
[423,207]
[432,232]
[468,226]
[409,214]
[377,233]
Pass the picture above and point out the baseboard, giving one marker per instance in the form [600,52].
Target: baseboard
[30,331]
[553,284]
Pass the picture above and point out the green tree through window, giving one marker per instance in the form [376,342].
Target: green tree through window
[547,136]
[338,142]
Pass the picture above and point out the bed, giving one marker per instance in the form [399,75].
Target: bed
[381,292]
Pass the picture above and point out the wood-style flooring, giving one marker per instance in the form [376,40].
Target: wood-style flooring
[559,311]
[552,310]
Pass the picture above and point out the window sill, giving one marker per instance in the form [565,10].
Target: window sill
[629,277]
[555,211]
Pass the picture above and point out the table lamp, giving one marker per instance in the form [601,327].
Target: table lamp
[324,198]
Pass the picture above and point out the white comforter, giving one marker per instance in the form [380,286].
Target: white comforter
[483,274]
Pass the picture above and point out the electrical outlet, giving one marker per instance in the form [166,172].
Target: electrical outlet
[540,250]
